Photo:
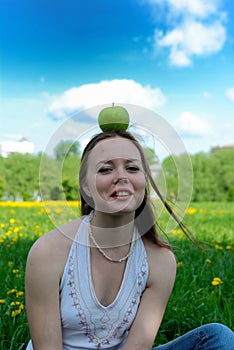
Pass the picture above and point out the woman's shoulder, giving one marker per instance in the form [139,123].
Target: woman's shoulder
[161,260]
[155,251]
[53,247]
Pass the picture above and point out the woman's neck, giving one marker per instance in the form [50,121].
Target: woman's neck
[112,230]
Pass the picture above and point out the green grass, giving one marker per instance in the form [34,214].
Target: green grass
[194,301]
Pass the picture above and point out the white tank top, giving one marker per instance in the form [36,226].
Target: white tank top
[86,323]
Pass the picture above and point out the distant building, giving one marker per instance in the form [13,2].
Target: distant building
[225,147]
[23,146]
[155,169]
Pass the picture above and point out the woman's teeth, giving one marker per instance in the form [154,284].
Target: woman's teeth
[122,194]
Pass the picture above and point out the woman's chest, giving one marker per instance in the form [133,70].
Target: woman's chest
[106,278]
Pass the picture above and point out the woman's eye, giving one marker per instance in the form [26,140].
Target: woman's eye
[133,168]
[104,170]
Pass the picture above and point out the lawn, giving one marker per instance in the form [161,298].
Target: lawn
[203,290]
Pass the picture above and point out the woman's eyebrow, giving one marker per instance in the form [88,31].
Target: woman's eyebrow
[110,161]
[102,162]
[132,160]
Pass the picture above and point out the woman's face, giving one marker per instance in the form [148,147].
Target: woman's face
[115,178]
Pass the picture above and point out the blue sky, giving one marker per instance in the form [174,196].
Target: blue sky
[173,57]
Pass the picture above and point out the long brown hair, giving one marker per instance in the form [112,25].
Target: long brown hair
[144,214]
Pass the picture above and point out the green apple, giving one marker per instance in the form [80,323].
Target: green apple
[114,118]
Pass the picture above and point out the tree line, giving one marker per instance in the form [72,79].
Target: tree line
[35,177]
[213,175]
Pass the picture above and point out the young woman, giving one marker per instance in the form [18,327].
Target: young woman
[103,280]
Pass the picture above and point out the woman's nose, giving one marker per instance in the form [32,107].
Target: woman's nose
[123,180]
[121,176]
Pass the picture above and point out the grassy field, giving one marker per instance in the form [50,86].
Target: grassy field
[203,290]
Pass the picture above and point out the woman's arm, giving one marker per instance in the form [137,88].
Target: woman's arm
[162,266]
[42,294]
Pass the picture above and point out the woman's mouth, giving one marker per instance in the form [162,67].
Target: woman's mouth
[121,195]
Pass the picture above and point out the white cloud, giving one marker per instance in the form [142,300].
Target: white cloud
[230,94]
[195,7]
[192,38]
[200,8]
[191,125]
[195,28]
[179,57]
[105,92]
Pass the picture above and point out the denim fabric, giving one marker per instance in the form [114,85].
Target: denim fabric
[213,336]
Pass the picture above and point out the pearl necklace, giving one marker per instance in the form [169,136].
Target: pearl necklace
[131,250]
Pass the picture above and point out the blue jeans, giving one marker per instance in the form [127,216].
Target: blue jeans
[213,336]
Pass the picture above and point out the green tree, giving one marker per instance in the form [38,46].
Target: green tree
[2,178]
[151,156]
[71,166]
[222,163]
[50,178]
[2,187]
[202,179]
[59,179]
[66,148]
[21,176]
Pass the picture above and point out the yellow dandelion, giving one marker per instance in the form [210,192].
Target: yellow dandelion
[15,270]
[12,221]
[218,247]
[10,263]
[19,294]
[180,263]
[2,301]
[229,247]
[191,211]
[208,261]
[8,233]
[216,281]
[15,312]
[12,291]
